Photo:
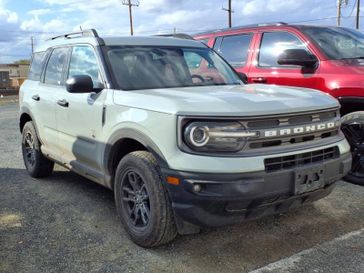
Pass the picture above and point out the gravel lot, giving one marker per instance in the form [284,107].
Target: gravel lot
[66,223]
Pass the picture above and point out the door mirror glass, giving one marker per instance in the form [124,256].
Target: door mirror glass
[297,57]
[80,84]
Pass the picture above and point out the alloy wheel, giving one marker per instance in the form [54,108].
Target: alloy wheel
[29,146]
[136,199]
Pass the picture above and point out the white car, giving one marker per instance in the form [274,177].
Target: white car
[171,128]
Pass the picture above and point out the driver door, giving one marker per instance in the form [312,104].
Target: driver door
[79,115]
[265,68]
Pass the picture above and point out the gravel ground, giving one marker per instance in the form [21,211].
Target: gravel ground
[66,223]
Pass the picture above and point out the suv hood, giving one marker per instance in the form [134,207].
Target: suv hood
[231,100]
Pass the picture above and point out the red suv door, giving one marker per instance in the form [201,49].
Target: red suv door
[265,68]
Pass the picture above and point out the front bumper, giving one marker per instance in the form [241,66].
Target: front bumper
[233,198]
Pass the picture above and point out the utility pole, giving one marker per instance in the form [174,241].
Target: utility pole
[131,3]
[229,10]
[357,14]
[32,43]
[339,5]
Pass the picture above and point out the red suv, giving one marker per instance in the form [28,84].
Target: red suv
[330,59]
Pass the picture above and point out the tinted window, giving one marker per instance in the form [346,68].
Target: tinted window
[37,66]
[84,62]
[273,44]
[337,42]
[235,48]
[54,71]
[146,67]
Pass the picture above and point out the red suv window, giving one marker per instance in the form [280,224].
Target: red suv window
[273,44]
[234,48]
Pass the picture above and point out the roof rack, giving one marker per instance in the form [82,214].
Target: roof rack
[246,26]
[177,35]
[83,33]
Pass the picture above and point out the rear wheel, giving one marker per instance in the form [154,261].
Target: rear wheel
[142,201]
[35,162]
[353,128]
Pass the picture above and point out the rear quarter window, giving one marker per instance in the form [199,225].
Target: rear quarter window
[37,66]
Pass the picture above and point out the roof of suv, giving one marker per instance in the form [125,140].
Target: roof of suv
[111,41]
[257,26]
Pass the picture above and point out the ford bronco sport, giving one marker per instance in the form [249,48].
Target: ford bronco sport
[169,126]
[325,58]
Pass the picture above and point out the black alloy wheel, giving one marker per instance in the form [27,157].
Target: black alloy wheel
[136,199]
[36,163]
[29,149]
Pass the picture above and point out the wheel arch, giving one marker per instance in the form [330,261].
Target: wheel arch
[124,141]
[25,116]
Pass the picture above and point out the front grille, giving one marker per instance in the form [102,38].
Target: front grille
[291,122]
[292,161]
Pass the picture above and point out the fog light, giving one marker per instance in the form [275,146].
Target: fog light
[197,188]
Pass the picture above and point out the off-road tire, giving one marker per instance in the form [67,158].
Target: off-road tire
[356,141]
[161,227]
[37,164]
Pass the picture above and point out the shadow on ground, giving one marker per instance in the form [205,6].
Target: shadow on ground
[66,223]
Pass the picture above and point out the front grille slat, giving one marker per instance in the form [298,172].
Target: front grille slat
[291,161]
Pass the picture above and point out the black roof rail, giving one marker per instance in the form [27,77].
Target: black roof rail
[244,26]
[177,35]
[83,33]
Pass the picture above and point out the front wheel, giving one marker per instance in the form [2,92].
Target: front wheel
[142,201]
[353,128]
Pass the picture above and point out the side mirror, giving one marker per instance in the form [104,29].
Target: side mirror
[297,57]
[243,77]
[80,84]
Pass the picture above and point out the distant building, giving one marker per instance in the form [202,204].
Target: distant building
[17,74]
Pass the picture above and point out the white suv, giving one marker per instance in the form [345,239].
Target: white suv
[170,127]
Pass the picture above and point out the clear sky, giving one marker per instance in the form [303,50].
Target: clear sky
[21,19]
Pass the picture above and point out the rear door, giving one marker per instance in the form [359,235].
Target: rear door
[45,97]
[265,68]
[235,49]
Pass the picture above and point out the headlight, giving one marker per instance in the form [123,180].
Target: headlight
[216,136]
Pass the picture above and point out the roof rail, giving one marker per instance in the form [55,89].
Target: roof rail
[177,35]
[83,33]
[239,27]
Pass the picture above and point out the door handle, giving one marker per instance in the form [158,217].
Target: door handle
[36,98]
[259,80]
[63,103]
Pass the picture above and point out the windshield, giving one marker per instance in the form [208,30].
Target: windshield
[338,43]
[146,67]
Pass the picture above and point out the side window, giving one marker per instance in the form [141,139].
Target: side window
[273,44]
[235,48]
[84,62]
[193,60]
[217,43]
[36,67]
[54,70]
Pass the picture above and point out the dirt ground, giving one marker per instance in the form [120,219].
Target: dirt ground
[66,223]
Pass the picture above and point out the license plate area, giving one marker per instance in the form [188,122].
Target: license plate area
[309,179]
